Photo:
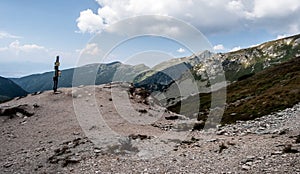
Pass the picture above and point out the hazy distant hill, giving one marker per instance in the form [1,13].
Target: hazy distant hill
[8,89]
[87,75]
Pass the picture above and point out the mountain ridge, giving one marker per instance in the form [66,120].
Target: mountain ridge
[85,75]
[9,89]
[211,69]
[268,91]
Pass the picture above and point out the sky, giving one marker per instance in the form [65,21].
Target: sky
[34,32]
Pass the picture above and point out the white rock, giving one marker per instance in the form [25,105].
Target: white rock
[245,167]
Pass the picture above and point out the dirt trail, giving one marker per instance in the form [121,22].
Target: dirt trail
[104,129]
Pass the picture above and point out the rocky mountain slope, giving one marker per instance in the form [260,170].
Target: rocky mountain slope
[268,91]
[121,131]
[9,90]
[164,74]
[253,60]
[85,75]
[206,69]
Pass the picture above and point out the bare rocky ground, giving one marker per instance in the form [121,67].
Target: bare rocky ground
[102,129]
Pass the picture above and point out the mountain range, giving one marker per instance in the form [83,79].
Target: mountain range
[8,89]
[236,65]
[93,74]
[165,79]
[207,69]
[270,90]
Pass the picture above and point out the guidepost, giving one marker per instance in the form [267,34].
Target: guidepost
[56,74]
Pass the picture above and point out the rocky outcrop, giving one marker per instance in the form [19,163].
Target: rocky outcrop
[20,110]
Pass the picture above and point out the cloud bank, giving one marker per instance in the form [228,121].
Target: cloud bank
[209,16]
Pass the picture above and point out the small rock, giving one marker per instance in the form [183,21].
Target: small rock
[71,160]
[139,136]
[198,125]
[249,163]
[76,133]
[97,150]
[212,140]
[35,105]
[143,111]
[260,158]
[74,159]
[231,143]
[282,131]
[222,147]
[221,132]
[288,149]
[250,158]
[276,153]
[7,165]
[172,117]
[245,167]
[18,114]
[298,139]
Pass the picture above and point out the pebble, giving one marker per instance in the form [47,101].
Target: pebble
[212,140]
[277,153]
[245,167]
[7,165]
[97,150]
[250,158]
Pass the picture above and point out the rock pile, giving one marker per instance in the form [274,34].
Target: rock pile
[277,123]
[20,110]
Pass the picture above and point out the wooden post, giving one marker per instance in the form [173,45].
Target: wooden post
[56,74]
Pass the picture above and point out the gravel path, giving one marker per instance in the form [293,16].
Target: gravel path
[102,129]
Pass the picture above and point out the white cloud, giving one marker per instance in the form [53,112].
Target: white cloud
[89,22]
[219,47]
[181,50]
[4,35]
[272,9]
[91,49]
[281,36]
[210,16]
[277,17]
[17,51]
[235,49]
[30,56]
[16,46]
[197,12]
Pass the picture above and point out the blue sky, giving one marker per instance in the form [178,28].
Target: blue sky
[33,32]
